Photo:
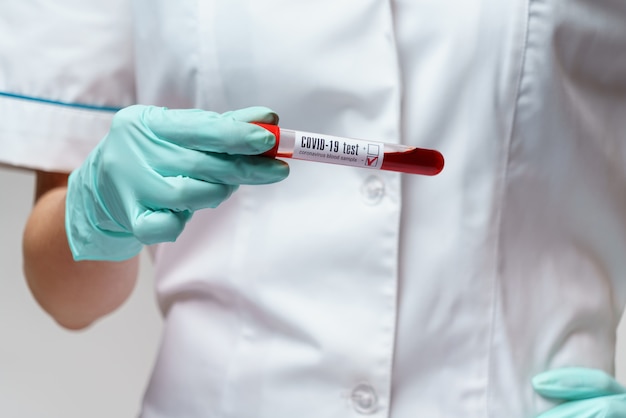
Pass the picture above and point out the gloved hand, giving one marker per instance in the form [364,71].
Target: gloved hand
[155,167]
[588,393]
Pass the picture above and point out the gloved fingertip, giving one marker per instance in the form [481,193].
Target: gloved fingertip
[262,140]
[542,382]
[267,171]
[260,114]
[152,227]
[282,171]
[574,383]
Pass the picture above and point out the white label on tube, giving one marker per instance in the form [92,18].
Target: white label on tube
[337,150]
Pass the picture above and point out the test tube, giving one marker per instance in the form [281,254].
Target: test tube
[353,152]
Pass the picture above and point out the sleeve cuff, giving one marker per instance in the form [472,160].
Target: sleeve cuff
[48,136]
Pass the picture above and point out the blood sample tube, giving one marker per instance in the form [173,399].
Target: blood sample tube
[353,152]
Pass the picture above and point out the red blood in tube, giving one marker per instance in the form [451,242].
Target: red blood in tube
[415,161]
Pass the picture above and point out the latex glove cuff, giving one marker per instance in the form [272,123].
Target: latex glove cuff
[90,239]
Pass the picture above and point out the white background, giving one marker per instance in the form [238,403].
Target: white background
[48,372]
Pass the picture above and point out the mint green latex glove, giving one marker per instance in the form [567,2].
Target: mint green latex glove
[587,393]
[155,167]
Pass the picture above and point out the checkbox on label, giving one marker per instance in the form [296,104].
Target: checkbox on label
[373,149]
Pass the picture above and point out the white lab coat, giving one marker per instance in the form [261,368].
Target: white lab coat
[341,291]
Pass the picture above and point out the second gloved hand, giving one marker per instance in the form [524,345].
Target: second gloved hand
[154,168]
[587,393]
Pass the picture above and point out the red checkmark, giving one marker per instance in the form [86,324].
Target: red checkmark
[371,161]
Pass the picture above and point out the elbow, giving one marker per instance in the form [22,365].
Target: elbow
[72,324]
[71,321]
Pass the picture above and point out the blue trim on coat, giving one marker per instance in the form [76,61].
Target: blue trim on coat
[59,103]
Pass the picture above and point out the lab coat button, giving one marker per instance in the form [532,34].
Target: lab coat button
[373,190]
[364,399]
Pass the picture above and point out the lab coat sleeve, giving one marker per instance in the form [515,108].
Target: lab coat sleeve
[65,67]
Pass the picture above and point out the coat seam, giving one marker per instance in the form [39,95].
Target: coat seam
[498,222]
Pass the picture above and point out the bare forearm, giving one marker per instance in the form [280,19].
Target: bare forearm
[75,294]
